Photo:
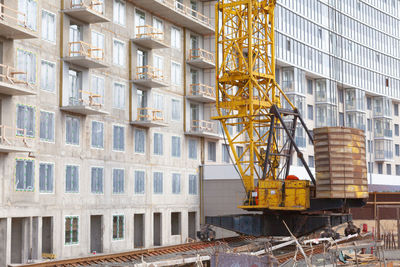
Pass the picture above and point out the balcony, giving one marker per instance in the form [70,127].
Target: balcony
[149,117]
[85,55]
[149,37]
[87,104]
[87,11]
[201,93]
[13,24]
[182,15]
[13,82]
[11,142]
[149,76]
[203,128]
[201,58]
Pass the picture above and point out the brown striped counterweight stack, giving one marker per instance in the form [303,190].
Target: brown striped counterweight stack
[340,163]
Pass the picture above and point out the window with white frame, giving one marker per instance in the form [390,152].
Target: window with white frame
[97,174]
[71,230]
[212,153]
[158,64]
[192,148]
[175,38]
[139,182]
[192,184]
[48,26]
[176,110]
[118,227]
[26,62]
[46,126]
[119,95]
[98,89]
[24,175]
[158,144]
[118,138]
[72,130]
[48,76]
[97,134]
[175,73]
[119,12]
[99,8]
[118,181]
[72,179]
[225,153]
[158,183]
[46,177]
[118,52]
[176,183]
[98,44]
[176,146]
[140,140]
[26,120]
[28,11]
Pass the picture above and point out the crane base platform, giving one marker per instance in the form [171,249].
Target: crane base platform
[272,225]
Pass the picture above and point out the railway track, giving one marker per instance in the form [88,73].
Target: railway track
[134,256]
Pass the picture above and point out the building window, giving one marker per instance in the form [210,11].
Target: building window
[369,103]
[370,146]
[72,179]
[396,109]
[119,12]
[380,168]
[310,112]
[397,170]
[48,26]
[139,182]
[176,110]
[176,146]
[118,227]
[311,161]
[118,181]
[71,230]
[192,148]
[46,177]
[119,96]
[310,86]
[192,184]
[26,62]
[176,183]
[72,130]
[29,8]
[118,138]
[97,134]
[369,124]
[175,73]
[389,169]
[341,96]
[46,126]
[48,76]
[97,180]
[97,89]
[118,53]
[341,119]
[396,129]
[158,183]
[140,140]
[212,153]
[175,223]
[98,44]
[397,149]
[24,175]
[158,144]
[175,38]
[239,151]
[26,120]
[225,153]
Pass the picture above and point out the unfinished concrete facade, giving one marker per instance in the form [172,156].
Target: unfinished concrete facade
[105,119]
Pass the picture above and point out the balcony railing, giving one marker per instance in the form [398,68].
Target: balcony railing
[203,126]
[198,53]
[148,31]
[86,99]
[15,16]
[383,155]
[149,73]
[150,114]
[94,5]
[84,49]
[11,136]
[13,76]
[202,90]
[181,8]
